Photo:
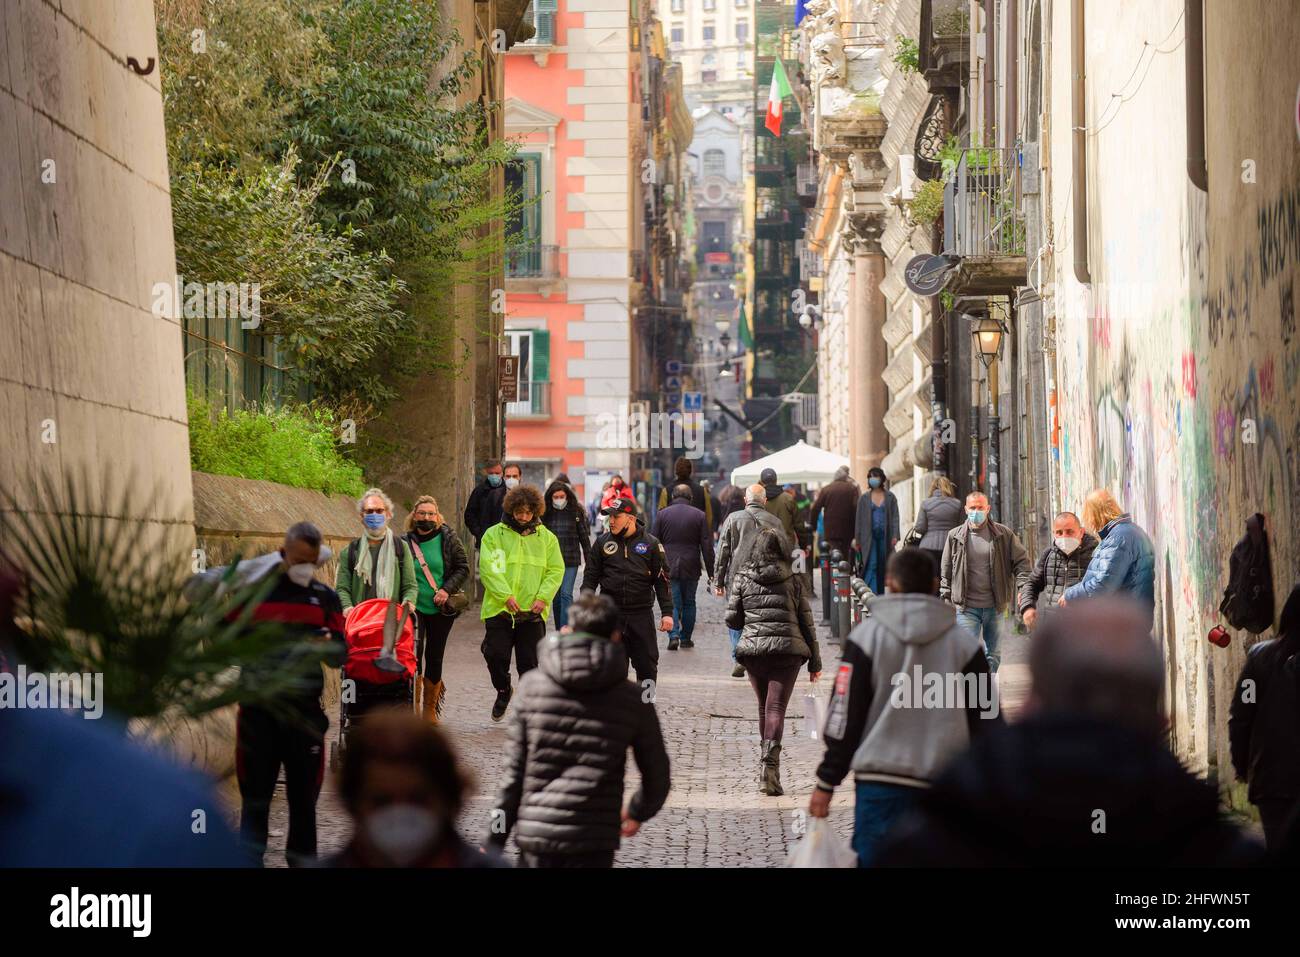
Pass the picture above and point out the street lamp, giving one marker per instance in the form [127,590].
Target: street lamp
[725,341]
[987,333]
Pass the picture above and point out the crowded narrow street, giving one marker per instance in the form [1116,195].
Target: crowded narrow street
[715,815]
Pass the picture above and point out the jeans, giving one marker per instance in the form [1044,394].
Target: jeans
[983,623]
[564,597]
[878,806]
[734,634]
[683,608]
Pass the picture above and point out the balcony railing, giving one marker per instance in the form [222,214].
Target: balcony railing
[534,401]
[532,261]
[988,221]
[806,179]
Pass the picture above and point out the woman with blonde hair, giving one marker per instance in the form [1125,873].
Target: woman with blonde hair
[441,570]
[1124,560]
[939,515]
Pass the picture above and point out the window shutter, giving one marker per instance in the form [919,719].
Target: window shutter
[541,355]
[544,20]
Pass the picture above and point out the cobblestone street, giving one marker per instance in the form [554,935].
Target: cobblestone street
[715,815]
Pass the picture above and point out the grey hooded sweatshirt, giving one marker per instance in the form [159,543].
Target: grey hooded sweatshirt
[912,688]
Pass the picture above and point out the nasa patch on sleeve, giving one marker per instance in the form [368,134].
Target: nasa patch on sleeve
[641,548]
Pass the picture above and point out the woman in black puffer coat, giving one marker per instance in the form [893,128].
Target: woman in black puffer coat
[769,607]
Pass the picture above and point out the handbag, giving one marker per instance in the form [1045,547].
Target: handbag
[457,601]
[913,537]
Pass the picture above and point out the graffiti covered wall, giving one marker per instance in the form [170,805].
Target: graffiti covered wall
[1177,363]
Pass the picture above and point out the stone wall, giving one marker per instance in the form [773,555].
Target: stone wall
[89,377]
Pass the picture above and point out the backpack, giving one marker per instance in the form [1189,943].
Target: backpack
[1248,599]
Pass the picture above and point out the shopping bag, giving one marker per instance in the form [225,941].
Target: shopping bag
[814,716]
[821,847]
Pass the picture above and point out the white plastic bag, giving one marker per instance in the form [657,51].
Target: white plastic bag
[821,847]
[814,716]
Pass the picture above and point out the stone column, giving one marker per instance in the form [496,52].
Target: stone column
[868,351]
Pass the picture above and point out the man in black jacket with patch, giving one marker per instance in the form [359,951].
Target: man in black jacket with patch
[577,706]
[630,566]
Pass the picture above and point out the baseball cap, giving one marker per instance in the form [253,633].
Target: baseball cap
[625,505]
[768,476]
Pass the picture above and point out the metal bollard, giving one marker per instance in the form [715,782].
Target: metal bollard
[844,593]
[862,595]
[834,616]
[824,554]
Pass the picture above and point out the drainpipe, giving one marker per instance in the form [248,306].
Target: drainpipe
[1194,57]
[938,371]
[1080,135]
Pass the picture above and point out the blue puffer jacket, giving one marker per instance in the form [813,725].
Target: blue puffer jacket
[1124,561]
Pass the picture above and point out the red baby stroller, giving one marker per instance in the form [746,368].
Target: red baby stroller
[380,667]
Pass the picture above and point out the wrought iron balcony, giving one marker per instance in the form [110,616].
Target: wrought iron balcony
[532,261]
[985,220]
[534,401]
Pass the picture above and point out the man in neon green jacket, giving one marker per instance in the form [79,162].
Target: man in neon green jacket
[521,568]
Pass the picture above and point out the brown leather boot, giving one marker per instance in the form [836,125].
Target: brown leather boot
[430,700]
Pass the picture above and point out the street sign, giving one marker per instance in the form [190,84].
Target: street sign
[673,367]
[673,383]
[925,275]
[508,378]
[673,400]
[692,401]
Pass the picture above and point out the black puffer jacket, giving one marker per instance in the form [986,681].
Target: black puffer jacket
[769,606]
[574,717]
[1054,572]
[1264,727]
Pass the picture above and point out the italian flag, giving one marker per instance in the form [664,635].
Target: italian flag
[780,90]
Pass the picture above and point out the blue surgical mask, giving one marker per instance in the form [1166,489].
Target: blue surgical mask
[494,480]
[374,521]
[874,482]
[977,516]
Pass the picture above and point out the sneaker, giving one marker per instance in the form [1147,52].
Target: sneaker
[502,702]
[687,643]
[738,671]
[672,644]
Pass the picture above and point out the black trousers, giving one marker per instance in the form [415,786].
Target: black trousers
[431,633]
[264,742]
[590,859]
[504,636]
[642,642]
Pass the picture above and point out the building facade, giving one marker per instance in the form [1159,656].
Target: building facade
[591,262]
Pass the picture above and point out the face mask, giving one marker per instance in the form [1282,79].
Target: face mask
[976,516]
[494,480]
[425,527]
[301,575]
[559,502]
[1067,545]
[403,832]
[511,482]
[874,482]
[375,521]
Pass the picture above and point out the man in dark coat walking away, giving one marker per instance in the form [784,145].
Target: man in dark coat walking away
[781,504]
[1264,727]
[838,502]
[575,716]
[1085,779]
[688,541]
[1057,568]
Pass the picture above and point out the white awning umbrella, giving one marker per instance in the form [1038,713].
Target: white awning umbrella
[801,463]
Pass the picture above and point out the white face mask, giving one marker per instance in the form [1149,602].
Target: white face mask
[560,502]
[301,575]
[1067,545]
[403,832]
[511,482]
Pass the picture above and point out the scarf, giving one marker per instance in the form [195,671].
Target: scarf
[510,522]
[384,568]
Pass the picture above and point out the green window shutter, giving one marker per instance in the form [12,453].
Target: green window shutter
[544,20]
[541,355]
